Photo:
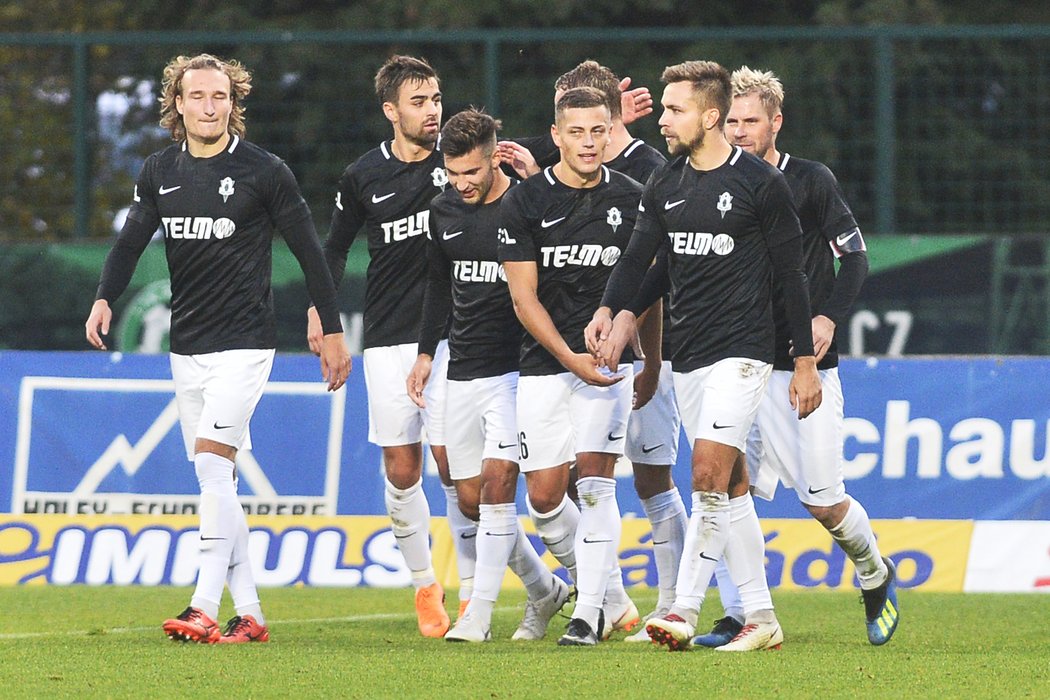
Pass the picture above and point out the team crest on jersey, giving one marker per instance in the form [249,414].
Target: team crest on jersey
[725,203]
[226,188]
[440,178]
[614,219]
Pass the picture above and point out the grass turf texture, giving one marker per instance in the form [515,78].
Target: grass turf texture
[362,643]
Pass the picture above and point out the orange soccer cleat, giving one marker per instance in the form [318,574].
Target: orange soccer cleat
[430,610]
[192,625]
[242,629]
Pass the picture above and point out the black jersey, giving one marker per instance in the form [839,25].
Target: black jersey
[575,237]
[218,216]
[720,229]
[824,215]
[484,337]
[391,199]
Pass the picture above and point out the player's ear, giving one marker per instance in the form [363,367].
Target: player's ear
[555,136]
[712,119]
[390,111]
[777,121]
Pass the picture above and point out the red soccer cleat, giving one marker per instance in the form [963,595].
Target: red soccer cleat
[243,629]
[192,625]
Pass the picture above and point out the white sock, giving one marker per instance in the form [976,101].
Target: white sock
[745,556]
[857,540]
[497,534]
[707,534]
[597,541]
[239,577]
[219,511]
[666,513]
[410,523]
[527,565]
[464,535]
[728,593]
[557,530]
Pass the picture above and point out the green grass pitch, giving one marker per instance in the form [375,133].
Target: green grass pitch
[88,642]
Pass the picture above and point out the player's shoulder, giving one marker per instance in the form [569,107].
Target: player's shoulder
[794,167]
[378,157]
[639,150]
[252,154]
[619,182]
[447,202]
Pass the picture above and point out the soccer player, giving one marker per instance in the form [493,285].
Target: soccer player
[807,455]
[727,224]
[652,430]
[219,199]
[562,231]
[466,280]
[388,191]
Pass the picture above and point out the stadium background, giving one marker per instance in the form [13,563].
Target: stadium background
[938,134]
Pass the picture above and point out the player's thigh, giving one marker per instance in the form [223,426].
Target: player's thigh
[652,430]
[234,383]
[392,417]
[719,402]
[435,397]
[545,431]
[599,414]
[481,423]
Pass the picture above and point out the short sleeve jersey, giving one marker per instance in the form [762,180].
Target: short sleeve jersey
[484,335]
[218,216]
[391,200]
[718,226]
[824,216]
[575,237]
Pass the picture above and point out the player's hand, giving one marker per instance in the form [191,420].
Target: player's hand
[645,385]
[585,367]
[634,104]
[314,334]
[597,331]
[418,378]
[97,323]
[823,334]
[623,332]
[518,157]
[805,390]
[335,360]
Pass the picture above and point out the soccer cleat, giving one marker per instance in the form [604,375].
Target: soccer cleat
[244,628]
[469,628]
[192,625]
[579,634]
[642,634]
[462,608]
[625,619]
[756,636]
[721,634]
[430,611]
[672,631]
[880,607]
[538,613]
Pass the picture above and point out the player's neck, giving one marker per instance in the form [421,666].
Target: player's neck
[410,151]
[569,177]
[712,152]
[619,140]
[773,156]
[500,185]
[203,149]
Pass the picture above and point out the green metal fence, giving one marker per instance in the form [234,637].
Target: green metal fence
[930,130]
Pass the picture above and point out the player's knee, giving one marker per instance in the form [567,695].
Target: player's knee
[828,516]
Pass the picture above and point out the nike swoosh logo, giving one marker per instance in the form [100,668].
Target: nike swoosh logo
[841,240]
[468,535]
[818,490]
[211,539]
[614,438]
[500,534]
[668,206]
[165,190]
[587,541]
[220,427]
[704,556]
[716,426]
[647,450]
[376,199]
[507,447]
[548,224]
[449,236]
[660,542]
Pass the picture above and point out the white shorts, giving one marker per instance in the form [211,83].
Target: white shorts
[805,454]
[560,415]
[217,393]
[481,423]
[392,417]
[652,430]
[719,402]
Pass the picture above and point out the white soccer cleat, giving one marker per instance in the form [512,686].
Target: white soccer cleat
[538,614]
[671,631]
[756,636]
[623,618]
[469,628]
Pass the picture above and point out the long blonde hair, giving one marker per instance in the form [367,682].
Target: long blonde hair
[240,86]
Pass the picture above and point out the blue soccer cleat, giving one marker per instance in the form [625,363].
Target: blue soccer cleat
[880,608]
[720,635]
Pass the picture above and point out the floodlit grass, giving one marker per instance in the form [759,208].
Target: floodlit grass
[363,643]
